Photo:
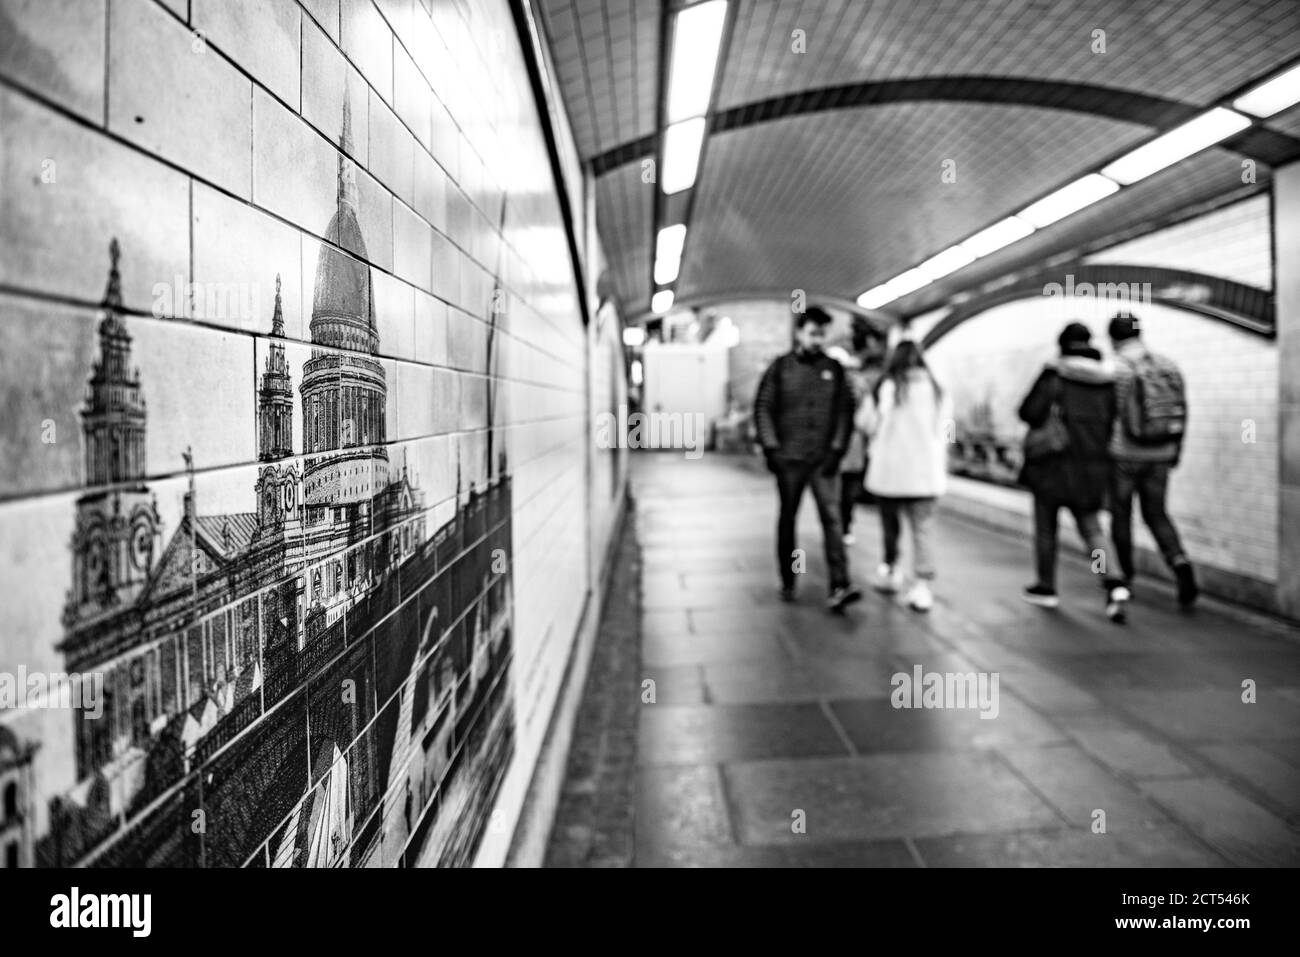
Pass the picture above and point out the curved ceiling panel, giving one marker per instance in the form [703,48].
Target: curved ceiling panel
[606,53]
[798,190]
[836,202]
[1190,50]
[1210,177]
[624,211]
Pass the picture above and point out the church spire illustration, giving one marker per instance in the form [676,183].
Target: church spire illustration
[117,528]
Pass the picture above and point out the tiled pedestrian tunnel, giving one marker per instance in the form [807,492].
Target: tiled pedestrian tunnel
[382,459]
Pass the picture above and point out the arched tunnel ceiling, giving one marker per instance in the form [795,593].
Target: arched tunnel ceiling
[836,200]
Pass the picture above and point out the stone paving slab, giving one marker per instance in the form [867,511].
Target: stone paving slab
[769,714]
[880,796]
[690,734]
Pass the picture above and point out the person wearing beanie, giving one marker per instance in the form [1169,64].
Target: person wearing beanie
[1070,410]
[1146,444]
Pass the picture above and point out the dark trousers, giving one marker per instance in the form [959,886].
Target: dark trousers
[1150,481]
[1045,542]
[850,489]
[791,479]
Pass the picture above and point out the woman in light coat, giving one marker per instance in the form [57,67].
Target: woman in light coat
[908,419]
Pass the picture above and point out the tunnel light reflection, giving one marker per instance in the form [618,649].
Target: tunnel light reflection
[1068,199]
[1272,96]
[896,288]
[1179,143]
[668,252]
[948,261]
[682,142]
[697,35]
[1000,234]
[875,297]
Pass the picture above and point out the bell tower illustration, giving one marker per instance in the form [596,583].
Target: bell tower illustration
[117,534]
[277,487]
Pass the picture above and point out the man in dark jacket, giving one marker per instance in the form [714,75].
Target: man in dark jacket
[804,417]
[1082,390]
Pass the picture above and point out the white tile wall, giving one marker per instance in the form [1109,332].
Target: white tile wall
[1234,242]
[214,158]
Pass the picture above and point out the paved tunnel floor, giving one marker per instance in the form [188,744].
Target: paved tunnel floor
[772,739]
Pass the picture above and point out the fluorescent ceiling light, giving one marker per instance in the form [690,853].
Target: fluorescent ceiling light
[668,252]
[1179,143]
[697,35]
[875,297]
[1068,199]
[948,261]
[661,301]
[909,281]
[1000,234]
[896,288]
[666,270]
[1271,96]
[682,143]
[634,336]
[669,243]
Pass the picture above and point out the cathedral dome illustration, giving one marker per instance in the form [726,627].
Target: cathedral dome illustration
[343,305]
[343,301]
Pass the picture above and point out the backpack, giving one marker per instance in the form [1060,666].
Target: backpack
[1157,402]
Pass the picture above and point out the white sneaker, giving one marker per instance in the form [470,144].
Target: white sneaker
[889,579]
[920,597]
[1115,602]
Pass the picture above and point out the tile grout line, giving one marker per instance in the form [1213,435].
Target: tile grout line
[839,728]
[728,805]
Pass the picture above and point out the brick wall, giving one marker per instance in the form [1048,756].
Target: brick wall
[335,218]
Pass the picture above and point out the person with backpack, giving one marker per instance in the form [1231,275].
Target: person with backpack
[1070,411]
[1146,445]
[906,417]
[803,414]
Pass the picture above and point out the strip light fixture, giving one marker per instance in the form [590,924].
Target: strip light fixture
[692,69]
[668,253]
[1211,127]
[1272,96]
[1179,143]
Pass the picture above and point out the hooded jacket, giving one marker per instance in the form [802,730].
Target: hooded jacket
[1084,389]
[908,440]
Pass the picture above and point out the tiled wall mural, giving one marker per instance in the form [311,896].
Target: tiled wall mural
[292,376]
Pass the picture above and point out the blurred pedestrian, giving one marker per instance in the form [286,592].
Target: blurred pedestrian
[907,418]
[803,414]
[1070,411]
[1147,444]
[863,364]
